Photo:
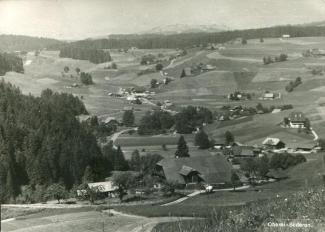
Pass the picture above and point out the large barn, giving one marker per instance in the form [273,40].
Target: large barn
[209,169]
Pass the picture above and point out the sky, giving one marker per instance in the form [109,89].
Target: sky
[78,19]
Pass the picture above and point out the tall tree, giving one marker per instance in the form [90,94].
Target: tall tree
[89,175]
[183,74]
[128,118]
[202,139]
[135,162]
[229,137]
[182,148]
[120,164]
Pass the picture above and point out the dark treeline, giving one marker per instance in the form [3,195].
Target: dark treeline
[41,142]
[190,39]
[184,122]
[93,55]
[11,43]
[9,62]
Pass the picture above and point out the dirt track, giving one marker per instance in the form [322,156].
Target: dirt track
[84,221]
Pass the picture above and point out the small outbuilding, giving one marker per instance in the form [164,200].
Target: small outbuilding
[273,143]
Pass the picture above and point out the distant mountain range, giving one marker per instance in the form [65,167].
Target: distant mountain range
[185,28]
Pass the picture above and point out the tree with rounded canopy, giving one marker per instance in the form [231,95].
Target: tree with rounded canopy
[66,69]
[123,181]
[78,70]
[182,148]
[57,191]
[159,67]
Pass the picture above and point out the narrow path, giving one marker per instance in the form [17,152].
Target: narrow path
[315,134]
[143,224]
[195,193]
[117,134]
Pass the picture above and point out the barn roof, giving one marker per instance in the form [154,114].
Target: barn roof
[212,168]
[271,141]
[103,187]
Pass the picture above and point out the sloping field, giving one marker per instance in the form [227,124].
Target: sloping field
[278,74]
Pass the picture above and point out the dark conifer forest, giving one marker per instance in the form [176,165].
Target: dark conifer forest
[9,62]
[151,41]
[42,142]
[93,55]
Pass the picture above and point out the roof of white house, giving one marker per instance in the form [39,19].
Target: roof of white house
[103,187]
[271,141]
[269,95]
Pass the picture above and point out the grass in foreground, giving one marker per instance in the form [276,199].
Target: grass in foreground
[302,207]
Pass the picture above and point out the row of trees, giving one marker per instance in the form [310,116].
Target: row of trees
[185,122]
[293,84]
[10,62]
[269,60]
[261,166]
[12,43]
[191,39]
[93,55]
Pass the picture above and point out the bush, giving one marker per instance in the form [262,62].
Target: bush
[86,78]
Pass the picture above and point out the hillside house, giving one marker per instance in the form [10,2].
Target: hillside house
[273,143]
[209,169]
[317,52]
[286,36]
[297,120]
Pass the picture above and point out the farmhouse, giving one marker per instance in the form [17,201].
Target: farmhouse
[273,143]
[286,36]
[210,169]
[106,189]
[297,120]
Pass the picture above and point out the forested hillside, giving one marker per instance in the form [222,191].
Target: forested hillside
[190,39]
[9,62]
[42,143]
[10,43]
[93,55]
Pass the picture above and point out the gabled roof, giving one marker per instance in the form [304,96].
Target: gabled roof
[271,141]
[269,95]
[103,187]
[185,170]
[212,168]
